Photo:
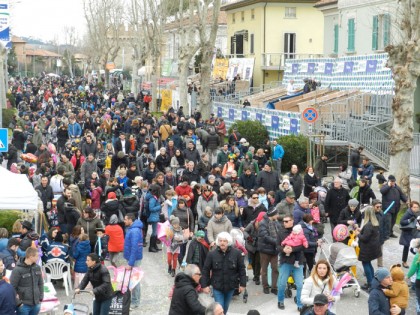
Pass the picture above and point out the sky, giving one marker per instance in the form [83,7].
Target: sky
[45,19]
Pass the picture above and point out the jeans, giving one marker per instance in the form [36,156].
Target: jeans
[135,293]
[273,261]
[154,228]
[28,309]
[278,166]
[368,269]
[285,270]
[223,298]
[354,172]
[101,307]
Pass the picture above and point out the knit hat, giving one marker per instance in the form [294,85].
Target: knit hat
[268,164]
[392,178]
[174,220]
[272,212]
[381,274]
[112,195]
[113,219]
[211,177]
[260,217]
[127,192]
[353,203]
[243,140]
[226,188]
[297,229]
[200,234]
[285,181]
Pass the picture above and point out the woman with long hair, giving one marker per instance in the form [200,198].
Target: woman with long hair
[231,209]
[369,243]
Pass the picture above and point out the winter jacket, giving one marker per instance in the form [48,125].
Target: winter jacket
[268,180]
[366,172]
[346,215]
[250,212]
[74,130]
[207,201]
[227,270]
[191,176]
[8,257]
[345,176]
[47,195]
[182,191]
[213,141]
[7,298]
[133,243]
[88,167]
[278,152]
[203,168]
[284,259]
[96,198]
[116,238]
[284,208]
[365,195]
[197,253]
[203,221]
[71,216]
[109,208]
[154,208]
[295,240]
[407,235]
[355,158]
[88,148]
[222,158]
[335,201]
[310,183]
[398,292]
[89,226]
[185,297]
[299,212]
[369,243]
[217,226]
[311,234]
[268,233]
[192,155]
[100,279]
[390,194]
[313,287]
[101,246]
[297,183]
[131,204]
[80,254]
[251,237]
[28,283]
[248,182]
[378,302]
[162,162]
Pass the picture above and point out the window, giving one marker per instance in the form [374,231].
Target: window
[232,45]
[289,45]
[242,16]
[290,12]
[350,35]
[251,44]
[335,39]
[381,29]
[252,14]
[233,17]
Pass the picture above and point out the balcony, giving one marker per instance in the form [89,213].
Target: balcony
[276,61]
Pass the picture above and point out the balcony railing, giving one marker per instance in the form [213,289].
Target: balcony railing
[276,61]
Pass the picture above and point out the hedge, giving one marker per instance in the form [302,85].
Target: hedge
[295,148]
[8,218]
[253,131]
[7,116]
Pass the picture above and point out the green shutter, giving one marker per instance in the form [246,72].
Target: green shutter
[336,38]
[375,33]
[387,29]
[350,35]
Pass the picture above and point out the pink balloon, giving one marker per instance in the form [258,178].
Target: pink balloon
[340,232]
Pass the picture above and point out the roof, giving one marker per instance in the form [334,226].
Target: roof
[322,3]
[80,56]
[221,19]
[31,51]
[244,3]
[16,39]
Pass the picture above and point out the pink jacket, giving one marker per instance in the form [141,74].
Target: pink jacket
[295,240]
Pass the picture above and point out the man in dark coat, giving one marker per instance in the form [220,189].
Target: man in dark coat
[46,193]
[296,180]
[378,302]
[355,161]
[213,143]
[185,297]
[336,200]
[268,179]
[253,209]
[391,193]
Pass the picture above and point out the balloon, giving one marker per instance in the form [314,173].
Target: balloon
[340,232]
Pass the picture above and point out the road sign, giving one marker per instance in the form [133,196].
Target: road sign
[310,115]
[4,145]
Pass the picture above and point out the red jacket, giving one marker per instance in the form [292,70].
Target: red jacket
[96,198]
[73,160]
[116,238]
[184,192]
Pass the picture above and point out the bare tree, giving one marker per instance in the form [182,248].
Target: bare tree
[70,41]
[404,62]
[208,13]
[105,26]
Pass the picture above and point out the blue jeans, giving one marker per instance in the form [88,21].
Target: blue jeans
[368,269]
[223,298]
[285,270]
[354,172]
[101,307]
[135,293]
[28,309]
[154,228]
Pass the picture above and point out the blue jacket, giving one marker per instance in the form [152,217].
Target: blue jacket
[154,208]
[80,254]
[298,213]
[3,243]
[74,130]
[56,250]
[7,298]
[366,171]
[378,302]
[133,243]
[278,152]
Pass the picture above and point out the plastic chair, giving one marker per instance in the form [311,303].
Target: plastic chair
[56,270]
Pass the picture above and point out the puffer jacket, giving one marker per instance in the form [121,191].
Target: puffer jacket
[313,287]
[80,255]
[90,226]
[311,235]
[154,208]
[116,238]
[100,279]
[185,297]
[109,208]
[378,302]
[369,243]
[214,227]
[133,243]
[227,270]
[185,216]
[28,283]
[268,180]
[131,204]
[268,234]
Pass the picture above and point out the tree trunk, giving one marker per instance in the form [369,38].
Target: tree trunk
[70,66]
[106,78]
[204,101]
[155,75]
[183,87]
[135,83]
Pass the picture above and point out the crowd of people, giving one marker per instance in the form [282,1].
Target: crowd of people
[105,169]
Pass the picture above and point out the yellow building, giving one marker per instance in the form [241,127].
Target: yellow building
[272,31]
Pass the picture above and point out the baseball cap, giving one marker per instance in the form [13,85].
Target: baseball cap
[320,299]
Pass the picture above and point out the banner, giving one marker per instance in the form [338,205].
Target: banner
[328,68]
[242,66]
[4,23]
[348,67]
[219,112]
[244,115]
[311,67]
[220,69]
[371,66]
[231,114]
[258,117]
[295,68]
[166,100]
[275,122]
[166,67]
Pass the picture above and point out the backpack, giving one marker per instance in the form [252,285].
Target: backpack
[144,206]
[316,214]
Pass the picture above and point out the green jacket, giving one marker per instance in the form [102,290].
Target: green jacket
[414,268]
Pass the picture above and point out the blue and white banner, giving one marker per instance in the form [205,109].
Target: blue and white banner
[4,23]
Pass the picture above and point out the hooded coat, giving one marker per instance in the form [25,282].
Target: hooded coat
[185,297]
[378,302]
[130,204]
[80,255]
[109,208]
[215,226]
[398,292]
[116,238]
[133,243]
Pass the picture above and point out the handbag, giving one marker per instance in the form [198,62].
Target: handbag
[409,227]
[186,232]
[120,304]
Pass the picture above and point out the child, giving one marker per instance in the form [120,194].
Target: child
[296,238]
[177,238]
[262,197]
[398,292]
[170,203]
[101,245]
[198,250]
[80,254]
[204,219]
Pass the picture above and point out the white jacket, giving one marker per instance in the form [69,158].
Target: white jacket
[309,291]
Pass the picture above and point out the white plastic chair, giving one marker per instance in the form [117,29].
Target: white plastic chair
[55,270]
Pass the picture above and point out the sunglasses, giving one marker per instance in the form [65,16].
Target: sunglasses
[285,221]
[254,197]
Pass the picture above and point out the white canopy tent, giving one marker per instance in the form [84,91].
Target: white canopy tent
[16,192]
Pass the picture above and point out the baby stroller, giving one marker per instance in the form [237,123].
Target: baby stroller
[342,258]
[78,308]
[239,243]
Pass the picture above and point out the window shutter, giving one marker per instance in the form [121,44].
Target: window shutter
[336,38]
[387,29]
[350,35]
[375,33]
[232,45]
[251,48]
